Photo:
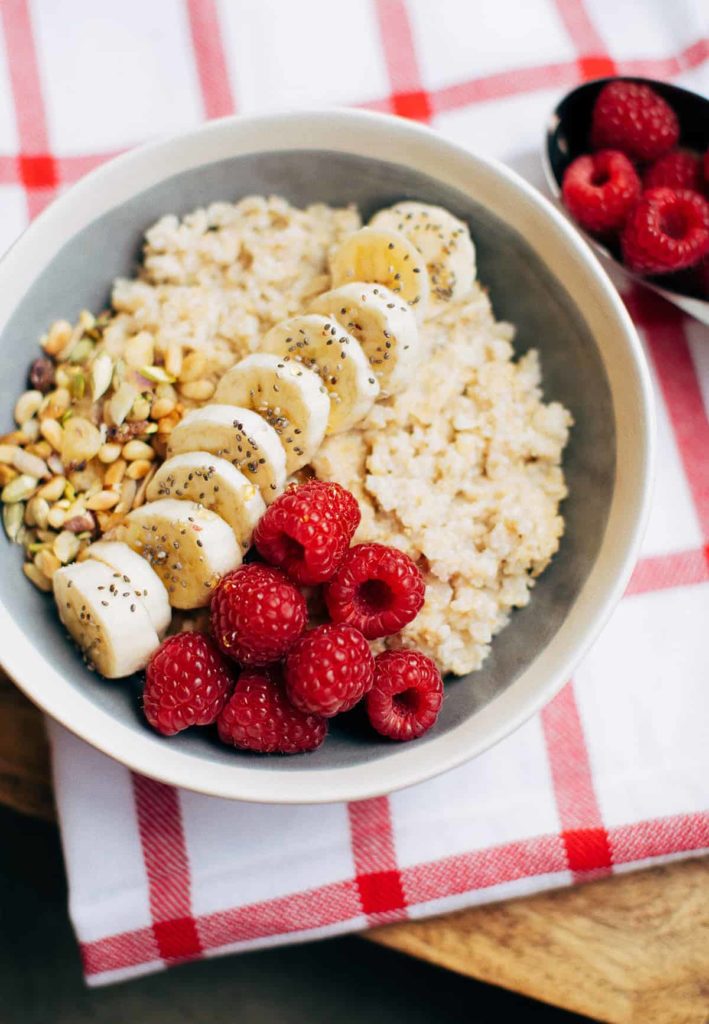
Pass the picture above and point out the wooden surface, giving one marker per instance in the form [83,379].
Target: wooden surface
[633,949]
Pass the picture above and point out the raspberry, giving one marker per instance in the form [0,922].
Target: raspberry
[666,231]
[307,531]
[187,682]
[259,717]
[329,670]
[679,169]
[599,190]
[257,614]
[344,504]
[407,694]
[630,117]
[377,589]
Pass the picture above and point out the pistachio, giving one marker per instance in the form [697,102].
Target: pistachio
[103,501]
[120,404]
[52,432]
[47,563]
[100,375]
[27,406]
[157,374]
[53,489]
[137,450]
[109,452]
[30,464]
[82,351]
[34,575]
[193,367]
[19,489]
[197,390]
[12,518]
[81,441]
[66,546]
[58,337]
[77,386]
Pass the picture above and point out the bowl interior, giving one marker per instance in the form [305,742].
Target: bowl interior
[523,291]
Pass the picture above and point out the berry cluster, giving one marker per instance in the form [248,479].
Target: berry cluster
[640,192]
[269,683]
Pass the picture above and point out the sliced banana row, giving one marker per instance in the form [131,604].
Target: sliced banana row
[114,606]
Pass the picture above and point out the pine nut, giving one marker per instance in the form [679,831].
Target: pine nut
[42,449]
[53,489]
[7,453]
[115,473]
[55,404]
[30,429]
[51,431]
[103,501]
[35,576]
[58,337]
[162,407]
[197,391]
[30,464]
[47,563]
[133,450]
[173,359]
[138,469]
[193,366]
[37,512]
[57,517]
[7,473]
[109,452]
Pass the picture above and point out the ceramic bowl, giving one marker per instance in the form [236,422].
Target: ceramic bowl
[541,276]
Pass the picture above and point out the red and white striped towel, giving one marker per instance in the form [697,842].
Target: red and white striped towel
[613,773]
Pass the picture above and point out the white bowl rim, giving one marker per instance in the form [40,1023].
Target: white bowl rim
[539,682]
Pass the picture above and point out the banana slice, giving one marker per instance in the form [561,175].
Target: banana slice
[319,343]
[288,395]
[381,256]
[215,484]
[384,326]
[189,547]
[136,573]
[239,435]
[443,241]
[108,622]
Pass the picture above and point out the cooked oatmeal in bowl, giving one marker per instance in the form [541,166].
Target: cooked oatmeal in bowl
[448,447]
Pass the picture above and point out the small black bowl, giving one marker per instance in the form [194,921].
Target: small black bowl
[567,136]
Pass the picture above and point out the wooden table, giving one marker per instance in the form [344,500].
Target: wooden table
[633,949]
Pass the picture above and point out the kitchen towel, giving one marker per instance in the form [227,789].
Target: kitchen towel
[613,773]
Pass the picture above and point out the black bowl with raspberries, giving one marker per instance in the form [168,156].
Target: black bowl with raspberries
[631,158]
[271,674]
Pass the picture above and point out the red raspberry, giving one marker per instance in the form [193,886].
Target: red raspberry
[377,589]
[307,531]
[679,169]
[257,614]
[344,504]
[407,694]
[187,682]
[599,190]
[631,117]
[259,717]
[329,670]
[666,231]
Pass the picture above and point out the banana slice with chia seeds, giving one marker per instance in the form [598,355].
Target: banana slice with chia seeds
[215,484]
[443,241]
[108,622]
[136,573]
[239,435]
[289,396]
[383,324]
[189,547]
[319,343]
[377,255]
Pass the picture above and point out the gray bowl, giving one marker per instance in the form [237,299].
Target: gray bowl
[541,278]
